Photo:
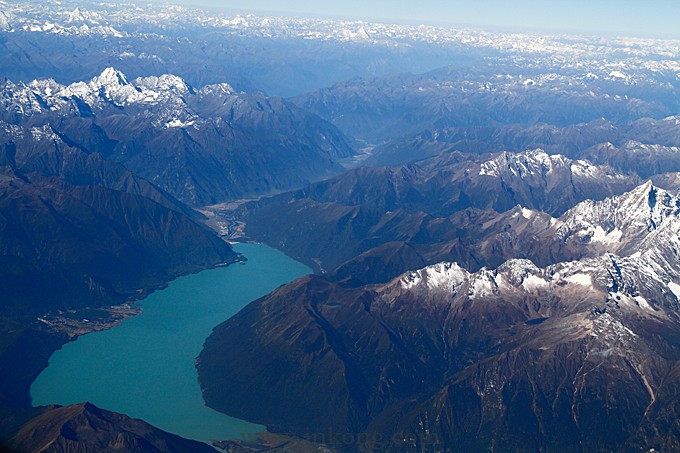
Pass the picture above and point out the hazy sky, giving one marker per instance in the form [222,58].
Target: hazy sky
[623,17]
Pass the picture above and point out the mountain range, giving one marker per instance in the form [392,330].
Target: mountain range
[202,146]
[492,220]
[380,110]
[645,146]
[435,209]
[579,353]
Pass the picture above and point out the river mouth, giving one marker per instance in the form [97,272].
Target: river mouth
[145,367]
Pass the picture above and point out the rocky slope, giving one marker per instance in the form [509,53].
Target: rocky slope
[580,355]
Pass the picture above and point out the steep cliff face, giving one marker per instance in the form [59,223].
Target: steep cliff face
[580,355]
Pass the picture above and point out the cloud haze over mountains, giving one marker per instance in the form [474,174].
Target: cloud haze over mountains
[609,17]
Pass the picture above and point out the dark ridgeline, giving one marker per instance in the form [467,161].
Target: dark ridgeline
[85,427]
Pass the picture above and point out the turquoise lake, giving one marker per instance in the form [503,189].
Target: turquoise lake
[145,367]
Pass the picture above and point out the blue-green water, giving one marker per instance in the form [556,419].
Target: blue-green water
[145,367]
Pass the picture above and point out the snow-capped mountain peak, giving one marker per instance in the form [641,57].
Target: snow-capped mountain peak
[441,276]
[649,204]
[220,89]
[621,222]
[535,163]
[45,88]
[528,162]
[635,270]
[110,87]
[110,77]
[166,83]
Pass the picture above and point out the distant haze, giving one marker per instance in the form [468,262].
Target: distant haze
[654,18]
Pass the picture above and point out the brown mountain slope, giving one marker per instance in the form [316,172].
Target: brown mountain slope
[84,428]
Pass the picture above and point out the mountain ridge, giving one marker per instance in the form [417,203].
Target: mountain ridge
[84,426]
[202,146]
[429,204]
[478,344]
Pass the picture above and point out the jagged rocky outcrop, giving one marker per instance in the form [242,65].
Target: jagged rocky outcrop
[580,355]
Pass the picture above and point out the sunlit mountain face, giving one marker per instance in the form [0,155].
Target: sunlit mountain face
[491,219]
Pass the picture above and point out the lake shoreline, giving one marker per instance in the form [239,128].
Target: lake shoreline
[54,330]
[262,280]
[58,326]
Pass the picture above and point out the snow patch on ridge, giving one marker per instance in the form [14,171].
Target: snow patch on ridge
[179,123]
[535,162]
[580,279]
[534,282]
[483,285]
[675,289]
[606,238]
